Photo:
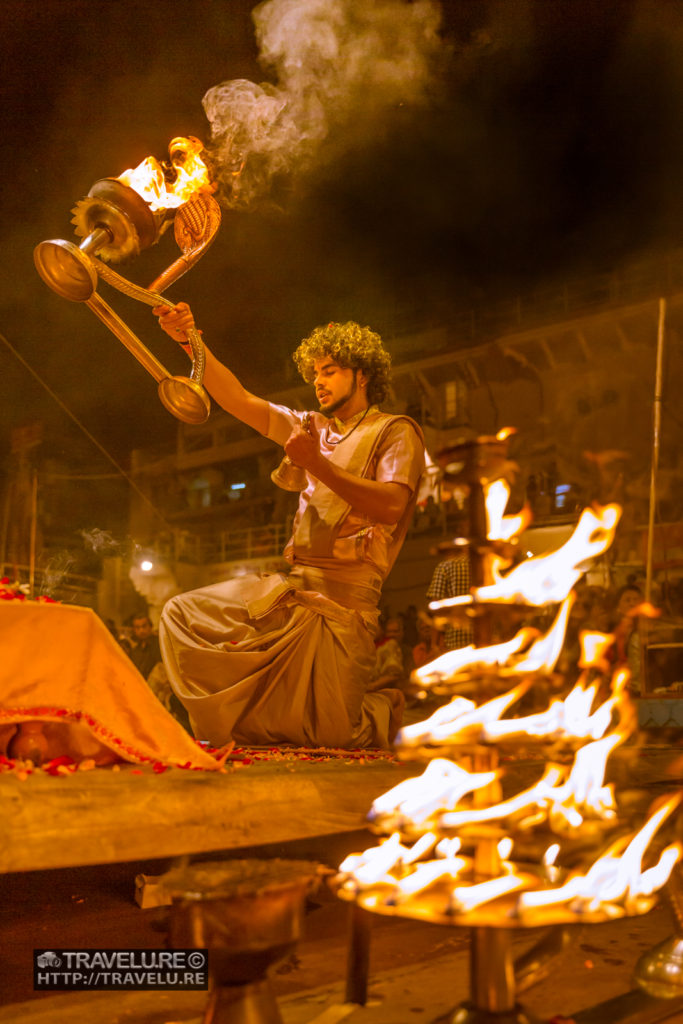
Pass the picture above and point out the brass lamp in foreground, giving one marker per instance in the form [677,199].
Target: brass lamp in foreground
[249,915]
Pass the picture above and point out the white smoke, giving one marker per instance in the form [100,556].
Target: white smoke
[339,67]
[55,572]
[99,541]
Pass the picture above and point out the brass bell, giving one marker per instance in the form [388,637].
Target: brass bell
[288,475]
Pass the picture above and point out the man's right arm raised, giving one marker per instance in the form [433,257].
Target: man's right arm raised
[221,382]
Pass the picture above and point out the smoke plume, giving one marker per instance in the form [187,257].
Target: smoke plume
[99,541]
[55,572]
[338,68]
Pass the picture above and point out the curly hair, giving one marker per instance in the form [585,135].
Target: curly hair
[351,346]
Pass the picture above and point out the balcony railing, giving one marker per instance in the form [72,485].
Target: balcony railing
[246,544]
[66,587]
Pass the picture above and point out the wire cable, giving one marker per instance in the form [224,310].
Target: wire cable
[62,405]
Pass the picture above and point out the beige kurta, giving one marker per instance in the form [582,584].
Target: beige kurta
[268,659]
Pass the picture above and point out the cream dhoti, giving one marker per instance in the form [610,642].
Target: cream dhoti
[268,660]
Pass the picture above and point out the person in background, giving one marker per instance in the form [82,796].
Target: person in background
[145,653]
[451,578]
[121,638]
[411,633]
[430,645]
[624,626]
[394,630]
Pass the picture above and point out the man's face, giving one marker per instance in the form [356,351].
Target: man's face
[628,601]
[394,630]
[335,385]
[424,631]
[142,628]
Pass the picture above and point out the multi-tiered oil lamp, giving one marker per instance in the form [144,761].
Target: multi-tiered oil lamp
[119,218]
[459,849]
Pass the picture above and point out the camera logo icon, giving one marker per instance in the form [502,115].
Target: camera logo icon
[48,959]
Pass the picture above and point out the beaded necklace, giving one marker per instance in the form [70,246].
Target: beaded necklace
[344,436]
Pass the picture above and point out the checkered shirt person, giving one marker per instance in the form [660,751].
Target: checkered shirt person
[451,579]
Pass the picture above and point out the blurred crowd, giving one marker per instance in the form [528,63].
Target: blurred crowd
[408,639]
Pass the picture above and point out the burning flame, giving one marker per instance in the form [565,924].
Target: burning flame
[594,646]
[372,865]
[463,723]
[615,883]
[505,432]
[500,526]
[541,656]
[614,877]
[571,718]
[563,803]
[549,578]
[467,659]
[536,795]
[442,784]
[431,871]
[566,718]
[585,790]
[468,897]
[189,174]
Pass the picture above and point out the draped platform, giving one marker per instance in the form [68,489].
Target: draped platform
[60,664]
[157,792]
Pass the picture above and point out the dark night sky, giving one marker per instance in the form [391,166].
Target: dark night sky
[550,145]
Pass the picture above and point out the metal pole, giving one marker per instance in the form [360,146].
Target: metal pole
[5,525]
[657,417]
[34,526]
[358,956]
[492,976]
[656,423]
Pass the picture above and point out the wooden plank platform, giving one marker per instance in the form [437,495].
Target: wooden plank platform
[104,816]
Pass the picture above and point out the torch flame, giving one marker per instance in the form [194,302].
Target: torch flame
[531,797]
[468,897]
[500,526]
[569,802]
[442,784]
[613,877]
[375,863]
[467,659]
[566,718]
[462,723]
[541,656]
[594,646]
[614,884]
[431,871]
[549,578]
[563,805]
[584,792]
[191,175]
